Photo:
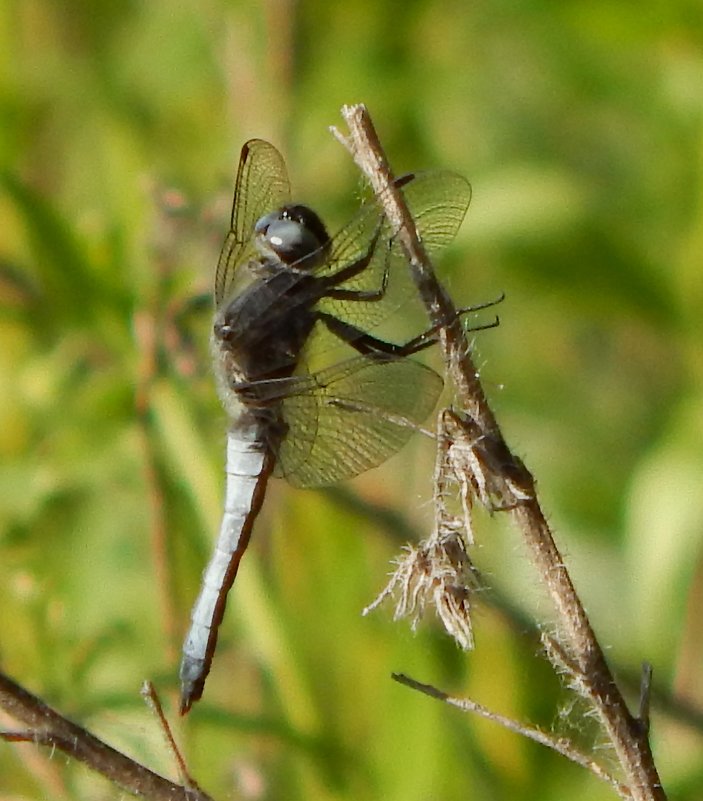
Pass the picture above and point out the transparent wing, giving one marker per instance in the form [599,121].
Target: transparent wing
[353,416]
[438,202]
[261,186]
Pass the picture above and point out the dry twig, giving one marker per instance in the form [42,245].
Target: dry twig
[48,728]
[490,473]
[560,745]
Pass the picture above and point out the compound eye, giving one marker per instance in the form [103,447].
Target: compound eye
[294,235]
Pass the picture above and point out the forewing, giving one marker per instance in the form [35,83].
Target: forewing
[261,186]
[437,201]
[353,417]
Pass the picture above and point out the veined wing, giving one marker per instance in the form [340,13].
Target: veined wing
[438,202]
[352,416]
[261,186]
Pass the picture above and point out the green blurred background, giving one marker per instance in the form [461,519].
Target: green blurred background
[580,127]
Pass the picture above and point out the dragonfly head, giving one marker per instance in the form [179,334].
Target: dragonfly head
[293,234]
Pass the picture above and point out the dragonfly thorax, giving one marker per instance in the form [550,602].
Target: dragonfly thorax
[295,235]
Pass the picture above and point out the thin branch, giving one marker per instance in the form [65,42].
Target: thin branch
[145,329]
[645,696]
[153,701]
[502,475]
[48,728]
[399,529]
[559,744]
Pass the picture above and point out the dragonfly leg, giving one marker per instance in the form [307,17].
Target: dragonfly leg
[366,295]
[429,337]
[366,344]
[353,269]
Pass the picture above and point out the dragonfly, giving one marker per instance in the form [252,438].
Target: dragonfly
[311,392]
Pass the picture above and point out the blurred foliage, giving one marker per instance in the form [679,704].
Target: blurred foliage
[579,125]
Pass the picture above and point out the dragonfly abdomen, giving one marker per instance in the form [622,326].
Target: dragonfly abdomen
[250,461]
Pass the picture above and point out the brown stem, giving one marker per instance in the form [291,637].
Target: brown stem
[505,475]
[146,333]
[47,727]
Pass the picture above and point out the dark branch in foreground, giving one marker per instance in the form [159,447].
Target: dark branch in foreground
[487,471]
[48,728]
